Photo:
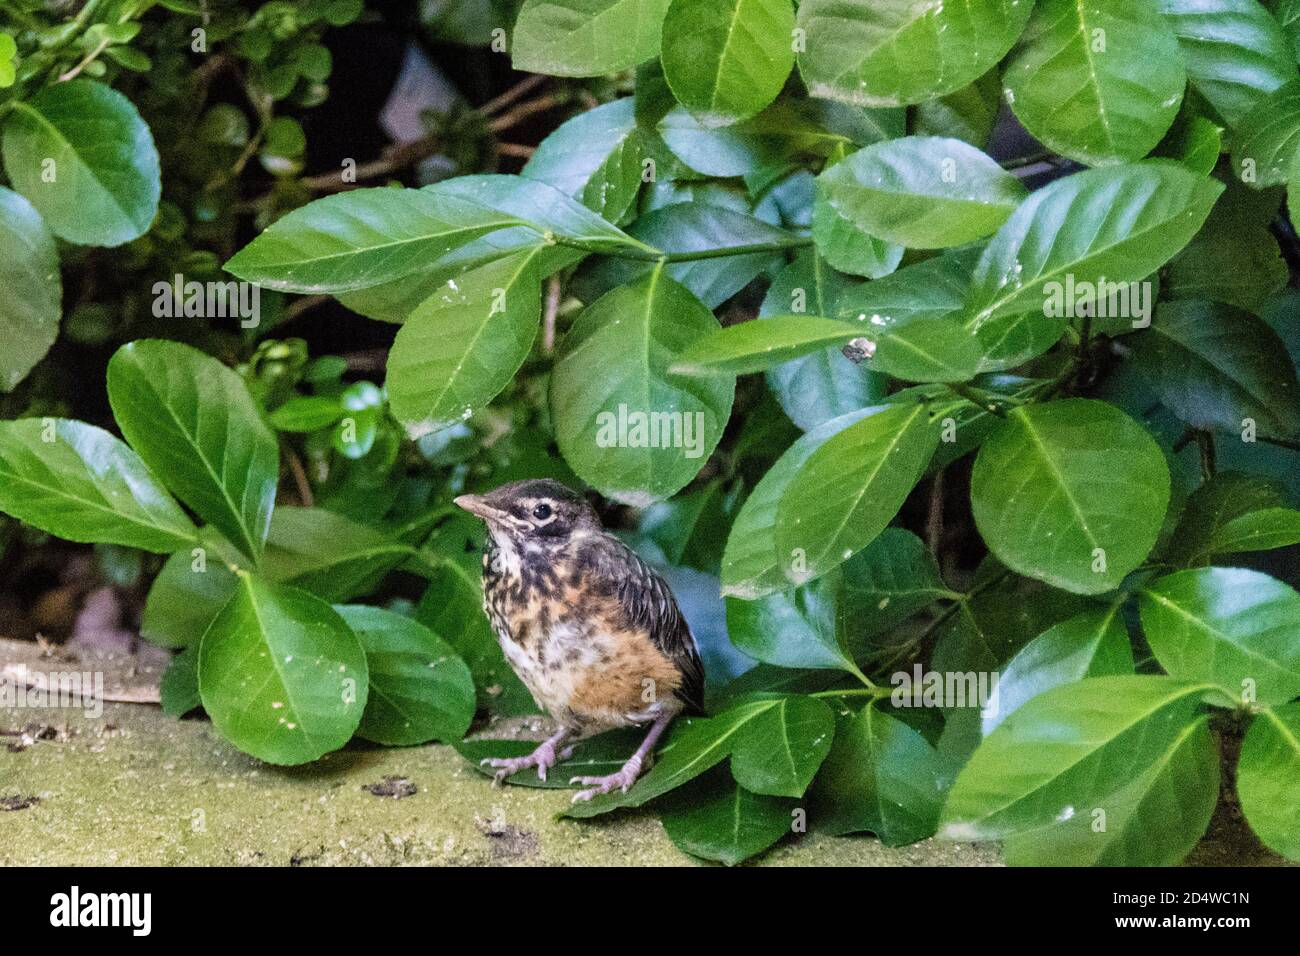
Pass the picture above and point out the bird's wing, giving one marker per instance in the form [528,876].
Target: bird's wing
[650,604]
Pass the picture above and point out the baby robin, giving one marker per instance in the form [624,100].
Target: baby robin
[591,630]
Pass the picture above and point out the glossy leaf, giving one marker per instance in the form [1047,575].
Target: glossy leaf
[888,581]
[605,395]
[846,247]
[1214,366]
[1222,499]
[728,824]
[419,689]
[1071,492]
[725,60]
[31,290]
[779,748]
[923,192]
[100,154]
[1067,751]
[1269,137]
[1092,644]
[1268,778]
[850,488]
[595,157]
[791,628]
[1099,82]
[329,555]
[586,37]
[79,482]
[189,591]
[179,691]
[756,346]
[1232,627]
[194,423]
[895,52]
[464,344]
[281,674]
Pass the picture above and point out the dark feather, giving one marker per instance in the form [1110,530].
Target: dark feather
[650,605]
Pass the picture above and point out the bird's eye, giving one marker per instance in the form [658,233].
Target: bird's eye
[542,512]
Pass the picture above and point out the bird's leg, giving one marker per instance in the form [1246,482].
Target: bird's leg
[543,758]
[624,779]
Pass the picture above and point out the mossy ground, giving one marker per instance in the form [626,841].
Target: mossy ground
[135,786]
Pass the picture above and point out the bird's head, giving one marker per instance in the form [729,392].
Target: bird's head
[540,510]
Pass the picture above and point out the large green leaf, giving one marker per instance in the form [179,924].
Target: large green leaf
[1067,752]
[888,581]
[846,247]
[756,346]
[727,59]
[1268,138]
[189,591]
[463,345]
[1229,513]
[78,482]
[1071,492]
[1232,627]
[1235,51]
[968,114]
[1119,224]
[82,155]
[1092,644]
[1098,82]
[328,554]
[362,238]
[179,691]
[778,750]
[31,290]
[727,823]
[419,689]
[586,37]
[791,628]
[824,385]
[850,488]
[194,423]
[1215,366]
[881,776]
[1268,778]
[1153,820]
[595,157]
[281,674]
[752,566]
[1231,260]
[895,52]
[923,192]
[624,424]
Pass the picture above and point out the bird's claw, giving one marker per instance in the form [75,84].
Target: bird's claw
[543,758]
[596,786]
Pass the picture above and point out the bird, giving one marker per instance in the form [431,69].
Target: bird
[593,632]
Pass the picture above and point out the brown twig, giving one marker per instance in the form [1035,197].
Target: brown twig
[522,112]
[300,482]
[498,103]
[516,149]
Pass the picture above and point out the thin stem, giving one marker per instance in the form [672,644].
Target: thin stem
[1290,443]
[872,692]
[976,397]
[1205,444]
[89,59]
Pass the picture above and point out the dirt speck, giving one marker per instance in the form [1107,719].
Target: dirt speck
[18,802]
[507,841]
[395,787]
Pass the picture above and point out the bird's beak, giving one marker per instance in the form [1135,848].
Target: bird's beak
[478,505]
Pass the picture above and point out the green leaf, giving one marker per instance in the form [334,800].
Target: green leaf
[1194,142]
[968,114]
[1212,508]
[78,482]
[1268,138]
[756,346]
[1066,752]
[84,158]
[180,684]
[194,423]
[1071,492]
[727,59]
[728,824]
[1119,224]
[888,581]
[1092,644]
[1234,49]
[923,192]
[307,413]
[846,247]
[189,591]
[777,751]
[281,674]
[1153,820]
[464,344]
[1231,261]
[419,689]
[331,556]
[614,401]
[881,776]
[362,238]
[1098,82]
[595,157]
[1232,627]
[1268,778]
[751,564]
[896,52]
[791,628]
[1215,366]
[586,37]
[824,385]
[31,289]
[850,488]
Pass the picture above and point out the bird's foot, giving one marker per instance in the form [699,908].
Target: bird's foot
[622,780]
[543,758]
